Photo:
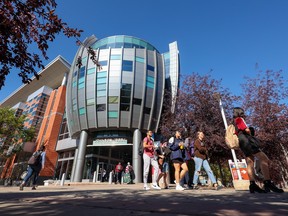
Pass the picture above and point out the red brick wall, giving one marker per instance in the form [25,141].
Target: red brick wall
[49,134]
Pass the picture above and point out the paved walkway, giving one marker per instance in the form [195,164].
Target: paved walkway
[116,200]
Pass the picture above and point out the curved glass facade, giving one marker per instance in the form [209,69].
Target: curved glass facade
[124,41]
[125,93]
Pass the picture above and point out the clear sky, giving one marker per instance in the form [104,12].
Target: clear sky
[229,37]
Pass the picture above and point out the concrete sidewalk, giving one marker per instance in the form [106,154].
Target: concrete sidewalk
[106,199]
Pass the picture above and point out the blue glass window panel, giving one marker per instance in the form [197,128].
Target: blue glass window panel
[82,111]
[127,45]
[115,57]
[81,80]
[74,84]
[91,70]
[118,45]
[111,45]
[128,40]
[127,65]
[101,87]
[82,72]
[150,85]
[81,85]
[151,68]
[113,114]
[101,93]
[139,59]
[136,41]
[111,39]
[150,79]
[167,56]
[84,60]
[101,80]
[119,39]
[103,63]
[102,74]
[143,44]
[75,73]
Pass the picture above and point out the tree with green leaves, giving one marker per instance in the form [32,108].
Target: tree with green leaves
[25,23]
[265,104]
[12,132]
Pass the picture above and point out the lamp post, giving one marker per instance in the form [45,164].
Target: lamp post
[218,97]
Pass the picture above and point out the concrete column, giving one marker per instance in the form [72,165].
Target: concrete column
[137,159]
[81,156]
[74,165]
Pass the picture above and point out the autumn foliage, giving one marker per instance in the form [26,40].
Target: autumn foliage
[264,101]
[24,24]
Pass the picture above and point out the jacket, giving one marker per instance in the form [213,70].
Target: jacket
[176,152]
[200,150]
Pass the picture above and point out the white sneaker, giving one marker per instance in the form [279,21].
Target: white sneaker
[146,187]
[180,188]
[155,186]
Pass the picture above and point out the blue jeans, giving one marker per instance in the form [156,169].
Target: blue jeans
[31,171]
[198,164]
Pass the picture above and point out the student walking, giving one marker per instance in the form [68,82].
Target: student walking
[118,172]
[249,146]
[178,155]
[163,160]
[35,167]
[201,159]
[150,158]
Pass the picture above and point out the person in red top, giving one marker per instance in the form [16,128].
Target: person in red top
[150,158]
[118,171]
[249,146]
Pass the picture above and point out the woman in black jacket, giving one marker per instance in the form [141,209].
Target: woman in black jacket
[178,155]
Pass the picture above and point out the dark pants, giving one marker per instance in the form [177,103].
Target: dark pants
[119,175]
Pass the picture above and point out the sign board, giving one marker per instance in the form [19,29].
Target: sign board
[110,142]
[242,167]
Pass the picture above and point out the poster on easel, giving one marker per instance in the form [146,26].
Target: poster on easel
[242,167]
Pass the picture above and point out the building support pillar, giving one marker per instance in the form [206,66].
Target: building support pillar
[137,159]
[80,157]
[74,165]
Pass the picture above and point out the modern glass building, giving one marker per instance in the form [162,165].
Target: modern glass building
[108,108]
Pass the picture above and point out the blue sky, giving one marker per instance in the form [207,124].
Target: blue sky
[228,37]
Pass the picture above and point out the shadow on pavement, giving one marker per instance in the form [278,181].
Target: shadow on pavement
[135,201]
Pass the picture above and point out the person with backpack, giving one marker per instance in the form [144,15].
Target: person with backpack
[35,165]
[249,145]
[178,155]
[201,159]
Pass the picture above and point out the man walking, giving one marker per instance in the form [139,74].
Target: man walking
[150,158]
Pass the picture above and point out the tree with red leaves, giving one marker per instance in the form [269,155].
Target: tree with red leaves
[198,109]
[24,23]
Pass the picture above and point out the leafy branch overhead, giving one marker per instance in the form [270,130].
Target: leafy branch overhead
[24,23]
